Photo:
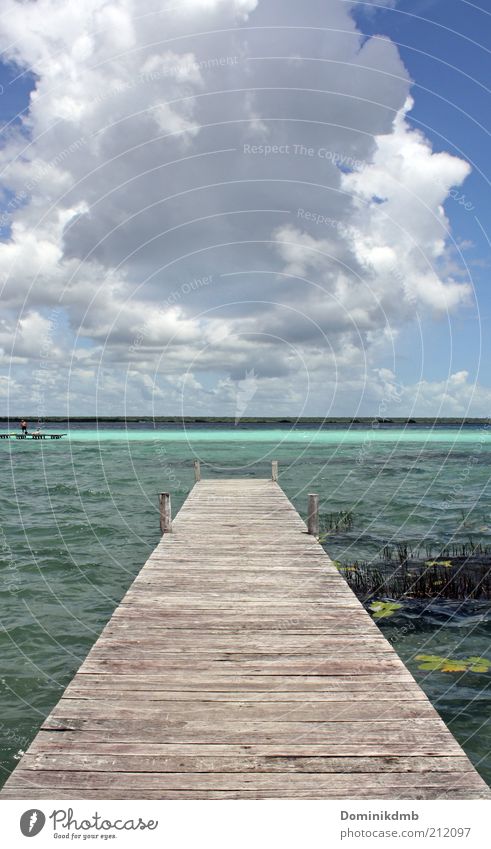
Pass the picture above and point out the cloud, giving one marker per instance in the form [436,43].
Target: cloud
[163,146]
[457,396]
[401,231]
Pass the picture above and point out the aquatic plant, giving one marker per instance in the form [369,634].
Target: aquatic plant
[478,664]
[434,662]
[438,563]
[382,609]
[433,551]
[335,522]
[403,552]
[387,553]
[459,578]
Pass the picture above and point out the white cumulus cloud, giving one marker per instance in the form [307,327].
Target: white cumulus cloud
[263,146]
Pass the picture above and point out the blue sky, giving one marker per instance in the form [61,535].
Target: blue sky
[120,93]
[445,44]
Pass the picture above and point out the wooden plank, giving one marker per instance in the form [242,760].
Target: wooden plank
[193,762]
[410,745]
[253,711]
[366,792]
[254,686]
[205,697]
[240,665]
[350,666]
[252,640]
[247,732]
[291,781]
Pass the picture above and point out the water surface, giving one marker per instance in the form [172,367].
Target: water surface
[79,518]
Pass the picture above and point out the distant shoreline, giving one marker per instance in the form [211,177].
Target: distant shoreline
[13,421]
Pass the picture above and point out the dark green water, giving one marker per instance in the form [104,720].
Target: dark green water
[78,519]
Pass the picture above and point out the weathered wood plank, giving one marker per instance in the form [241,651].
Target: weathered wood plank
[349,782]
[252,711]
[365,792]
[225,682]
[216,697]
[248,732]
[192,762]
[411,745]
[300,643]
[349,666]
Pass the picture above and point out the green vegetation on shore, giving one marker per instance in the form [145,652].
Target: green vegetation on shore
[230,420]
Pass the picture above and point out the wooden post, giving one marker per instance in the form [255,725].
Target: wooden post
[165,513]
[274,470]
[313,514]
[197,471]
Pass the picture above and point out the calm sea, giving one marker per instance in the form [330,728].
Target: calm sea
[79,518]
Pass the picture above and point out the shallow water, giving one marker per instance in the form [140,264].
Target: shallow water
[79,518]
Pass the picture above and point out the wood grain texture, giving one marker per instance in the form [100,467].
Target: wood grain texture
[239,665]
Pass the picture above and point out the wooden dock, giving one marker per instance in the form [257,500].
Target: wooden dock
[32,435]
[240,665]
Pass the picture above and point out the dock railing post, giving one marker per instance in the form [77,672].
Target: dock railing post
[197,471]
[274,470]
[313,514]
[165,513]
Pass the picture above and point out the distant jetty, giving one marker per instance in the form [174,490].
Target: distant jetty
[32,435]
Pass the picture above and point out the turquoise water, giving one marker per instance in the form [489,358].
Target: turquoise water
[79,518]
[277,436]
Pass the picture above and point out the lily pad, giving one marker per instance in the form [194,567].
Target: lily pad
[478,664]
[454,666]
[382,609]
[446,563]
[433,662]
